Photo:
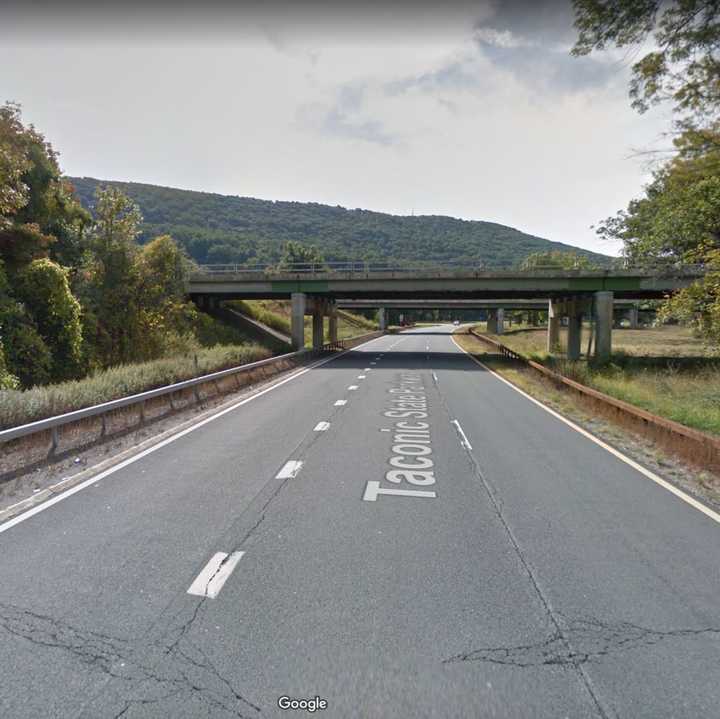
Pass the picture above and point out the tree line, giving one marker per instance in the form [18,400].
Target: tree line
[78,293]
[676,220]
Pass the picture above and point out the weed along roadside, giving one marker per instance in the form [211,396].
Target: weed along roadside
[411,460]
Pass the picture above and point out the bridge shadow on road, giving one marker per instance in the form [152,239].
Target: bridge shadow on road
[408,360]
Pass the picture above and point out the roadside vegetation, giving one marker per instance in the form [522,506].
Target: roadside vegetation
[665,370]
[87,311]
[23,406]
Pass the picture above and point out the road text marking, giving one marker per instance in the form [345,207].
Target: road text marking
[289,470]
[373,489]
[215,573]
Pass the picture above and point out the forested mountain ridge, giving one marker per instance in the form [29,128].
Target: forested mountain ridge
[219,228]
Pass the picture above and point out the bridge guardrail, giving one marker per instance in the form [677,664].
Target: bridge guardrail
[699,448]
[364,268]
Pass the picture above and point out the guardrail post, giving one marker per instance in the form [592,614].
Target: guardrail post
[54,441]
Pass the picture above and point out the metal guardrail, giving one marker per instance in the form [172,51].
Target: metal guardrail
[100,409]
[696,446]
[53,423]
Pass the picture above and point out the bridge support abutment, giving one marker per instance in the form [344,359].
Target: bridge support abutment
[603,306]
[297,320]
[553,333]
[382,319]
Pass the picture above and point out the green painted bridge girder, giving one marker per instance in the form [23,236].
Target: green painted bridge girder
[472,284]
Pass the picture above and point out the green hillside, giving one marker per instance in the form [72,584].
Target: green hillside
[219,228]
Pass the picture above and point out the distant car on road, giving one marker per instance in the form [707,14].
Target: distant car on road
[456,322]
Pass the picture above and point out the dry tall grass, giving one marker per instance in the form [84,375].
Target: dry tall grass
[664,370]
[20,407]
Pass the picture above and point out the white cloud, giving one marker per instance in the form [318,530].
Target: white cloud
[489,119]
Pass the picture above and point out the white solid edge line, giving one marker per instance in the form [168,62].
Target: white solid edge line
[130,460]
[616,453]
[214,574]
[463,436]
[321,427]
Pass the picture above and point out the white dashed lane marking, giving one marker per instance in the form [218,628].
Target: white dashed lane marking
[215,573]
[361,376]
[340,402]
[352,387]
[289,469]
[463,439]
[321,427]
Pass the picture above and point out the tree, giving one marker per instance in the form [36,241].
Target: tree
[37,209]
[684,65]
[556,259]
[44,289]
[297,255]
[678,218]
[109,282]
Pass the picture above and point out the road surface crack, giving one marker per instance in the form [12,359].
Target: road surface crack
[584,640]
[145,673]
[558,633]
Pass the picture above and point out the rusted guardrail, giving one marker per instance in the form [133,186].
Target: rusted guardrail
[23,448]
[696,447]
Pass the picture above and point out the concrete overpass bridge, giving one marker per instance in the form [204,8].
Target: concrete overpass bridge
[319,290]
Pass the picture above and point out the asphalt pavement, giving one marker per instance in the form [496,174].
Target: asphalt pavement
[392,533]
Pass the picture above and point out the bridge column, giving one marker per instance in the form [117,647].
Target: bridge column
[634,317]
[574,331]
[603,306]
[492,322]
[382,319]
[297,320]
[553,333]
[318,324]
[500,321]
[333,322]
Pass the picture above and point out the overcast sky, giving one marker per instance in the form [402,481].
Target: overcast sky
[476,110]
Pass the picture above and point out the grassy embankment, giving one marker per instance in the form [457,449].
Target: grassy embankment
[276,314]
[19,407]
[664,370]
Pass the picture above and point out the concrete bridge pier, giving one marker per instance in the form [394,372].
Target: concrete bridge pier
[297,320]
[318,325]
[633,316]
[553,333]
[496,321]
[603,307]
[333,322]
[382,319]
[574,332]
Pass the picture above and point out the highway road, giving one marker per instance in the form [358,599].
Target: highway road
[395,532]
